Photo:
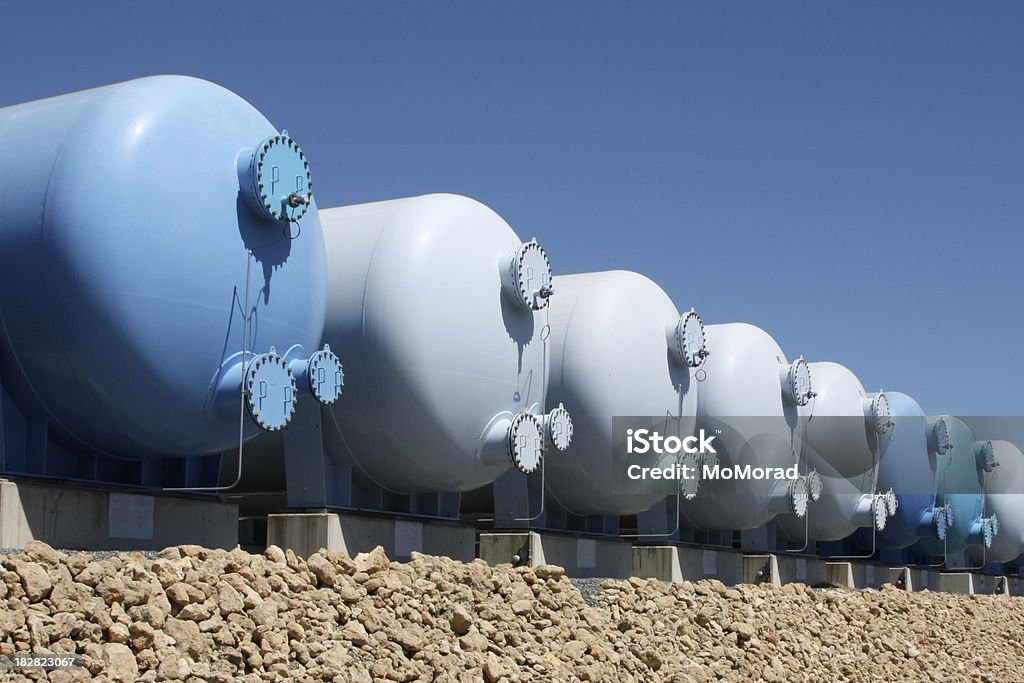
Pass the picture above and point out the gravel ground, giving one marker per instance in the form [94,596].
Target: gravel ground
[94,554]
[233,617]
[589,589]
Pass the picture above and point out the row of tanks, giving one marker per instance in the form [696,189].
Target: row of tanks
[176,312]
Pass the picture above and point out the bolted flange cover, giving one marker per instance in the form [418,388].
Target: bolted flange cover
[559,428]
[689,486]
[991,530]
[881,417]
[987,457]
[689,345]
[891,502]
[940,437]
[799,496]
[941,523]
[325,376]
[282,185]
[270,391]
[879,512]
[815,486]
[531,276]
[798,383]
[526,443]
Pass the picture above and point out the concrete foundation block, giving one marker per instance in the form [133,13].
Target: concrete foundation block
[306,532]
[78,517]
[842,574]
[915,578]
[581,556]
[682,563]
[780,569]
[957,582]
[759,569]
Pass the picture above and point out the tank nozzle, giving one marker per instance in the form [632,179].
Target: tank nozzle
[323,375]
[558,428]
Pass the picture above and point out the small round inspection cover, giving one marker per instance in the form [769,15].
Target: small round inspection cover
[325,376]
[270,391]
[880,415]
[531,272]
[526,443]
[940,433]
[815,485]
[799,496]
[799,384]
[879,512]
[690,344]
[987,457]
[560,428]
[281,181]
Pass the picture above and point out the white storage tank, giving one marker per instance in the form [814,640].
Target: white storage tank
[444,311]
[619,349]
[841,441]
[1004,501]
[750,402]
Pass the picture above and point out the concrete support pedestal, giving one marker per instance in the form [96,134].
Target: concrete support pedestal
[967,583]
[681,563]
[581,556]
[843,575]
[782,569]
[80,517]
[306,532]
[915,579]
[959,582]
[856,575]
[902,577]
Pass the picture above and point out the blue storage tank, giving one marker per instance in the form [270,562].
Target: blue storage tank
[961,487]
[909,458]
[138,219]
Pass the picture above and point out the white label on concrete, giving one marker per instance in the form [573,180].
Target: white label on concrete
[408,537]
[801,569]
[869,574]
[586,553]
[710,562]
[130,516]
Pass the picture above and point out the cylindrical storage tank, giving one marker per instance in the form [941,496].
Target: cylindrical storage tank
[1004,501]
[440,312]
[129,213]
[840,441]
[750,401]
[960,485]
[619,349]
[908,466]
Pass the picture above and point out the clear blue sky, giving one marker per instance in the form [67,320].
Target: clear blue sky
[846,176]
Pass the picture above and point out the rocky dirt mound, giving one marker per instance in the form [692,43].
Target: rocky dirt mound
[197,614]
